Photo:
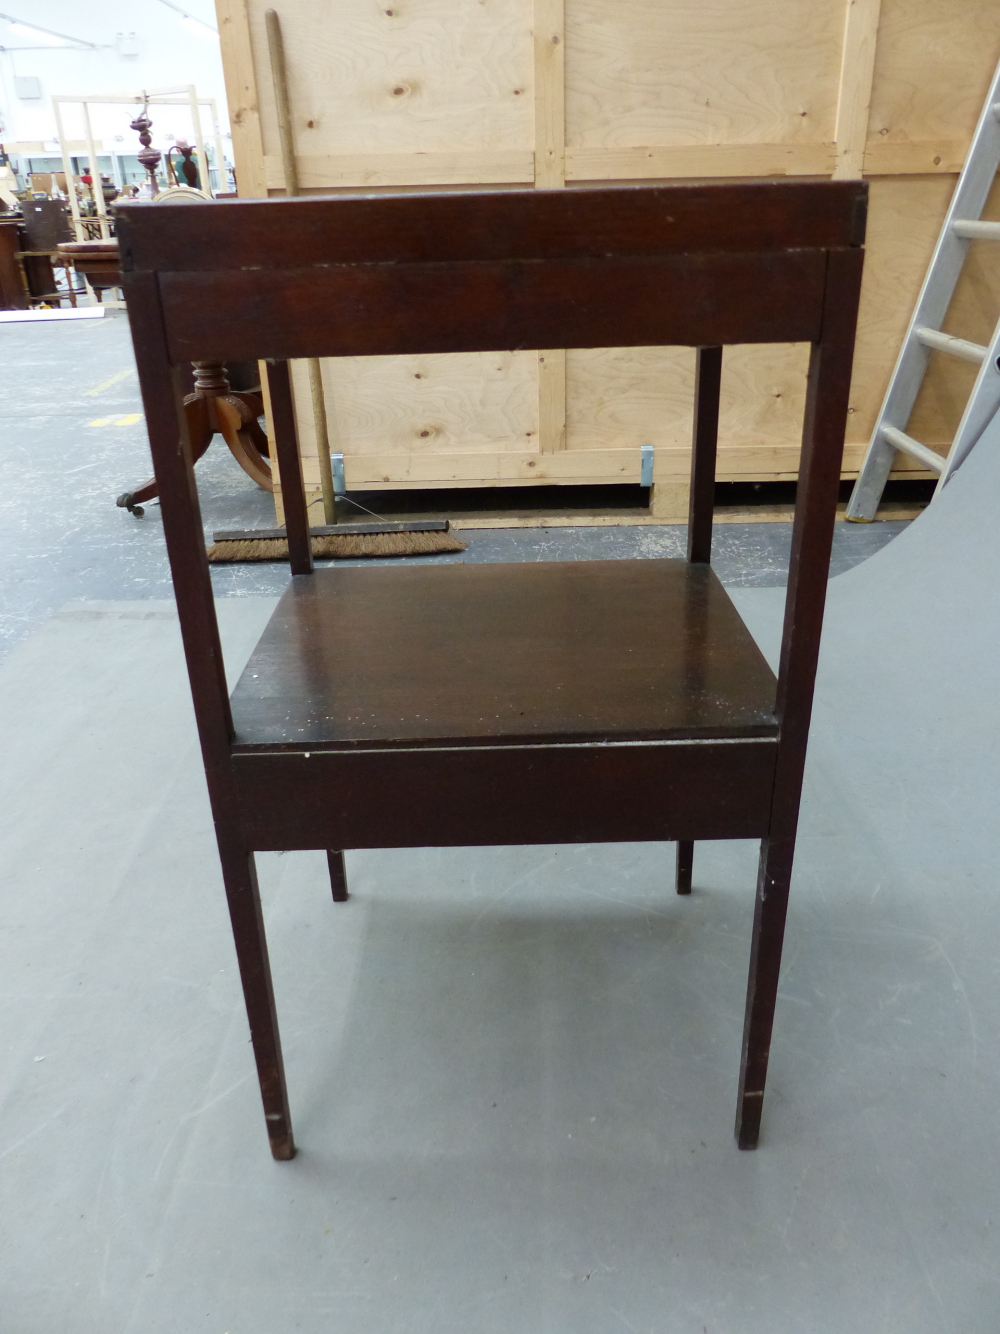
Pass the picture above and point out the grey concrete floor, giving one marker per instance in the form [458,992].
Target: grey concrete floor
[62,537]
[512,1071]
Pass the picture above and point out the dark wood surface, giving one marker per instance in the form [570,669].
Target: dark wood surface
[99,261]
[418,705]
[46,223]
[460,654]
[338,875]
[286,445]
[704,447]
[684,866]
[827,394]
[12,291]
[365,310]
[577,223]
[166,422]
[484,796]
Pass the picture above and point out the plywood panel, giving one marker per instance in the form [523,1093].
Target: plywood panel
[644,396]
[319,171]
[472,402]
[933,65]
[854,92]
[378,472]
[241,94]
[698,161]
[401,77]
[701,72]
[549,32]
[445,92]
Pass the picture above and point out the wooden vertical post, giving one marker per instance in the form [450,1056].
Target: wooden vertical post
[854,94]
[204,171]
[550,94]
[550,174]
[338,874]
[551,400]
[701,505]
[279,75]
[244,118]
[182,526]
[286,447]
[809,564]
[704,447]
[97,193]
[684,865]
[219,152]
[241,94]
[67,160]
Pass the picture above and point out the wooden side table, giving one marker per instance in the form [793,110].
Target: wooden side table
[213,408]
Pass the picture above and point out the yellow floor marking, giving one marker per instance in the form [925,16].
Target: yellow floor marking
[106,384]
[127,419]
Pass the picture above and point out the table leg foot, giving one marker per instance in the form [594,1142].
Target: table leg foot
[338,875]
[685,865]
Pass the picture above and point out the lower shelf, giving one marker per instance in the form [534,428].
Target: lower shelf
[502,654]
[588,701]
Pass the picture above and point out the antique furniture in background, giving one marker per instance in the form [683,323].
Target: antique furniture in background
[212,407]
[46,225]
[13,295]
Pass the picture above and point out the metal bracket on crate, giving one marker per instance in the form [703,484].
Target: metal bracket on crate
[337,468]
[646,470]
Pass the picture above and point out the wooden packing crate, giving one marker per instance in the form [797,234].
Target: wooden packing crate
[416,93]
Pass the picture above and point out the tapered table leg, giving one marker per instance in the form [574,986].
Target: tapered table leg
[338,875]
[773,882]
[240,876]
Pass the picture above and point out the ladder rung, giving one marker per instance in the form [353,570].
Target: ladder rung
[973,230]
[914,448]
[958,347]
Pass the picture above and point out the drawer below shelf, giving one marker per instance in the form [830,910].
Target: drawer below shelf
[439,796]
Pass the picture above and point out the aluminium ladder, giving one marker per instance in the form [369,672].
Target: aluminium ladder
[961,226]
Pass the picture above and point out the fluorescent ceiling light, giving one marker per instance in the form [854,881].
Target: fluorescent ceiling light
[26,30]
[44,35]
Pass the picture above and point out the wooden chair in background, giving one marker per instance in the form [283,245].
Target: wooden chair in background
[501,704]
